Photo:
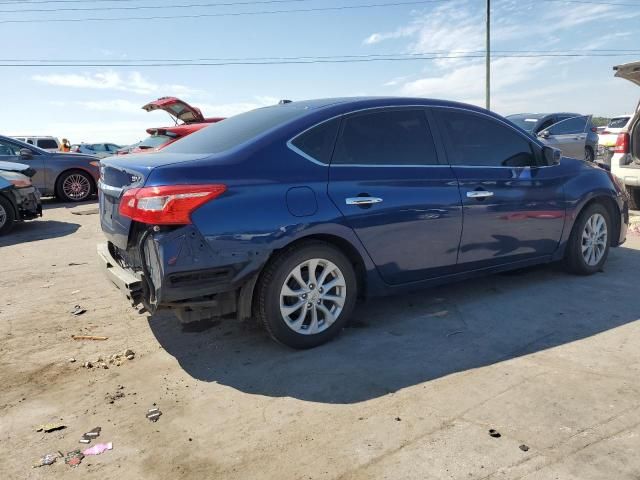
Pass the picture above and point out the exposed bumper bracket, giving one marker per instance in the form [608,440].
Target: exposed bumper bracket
[123,279]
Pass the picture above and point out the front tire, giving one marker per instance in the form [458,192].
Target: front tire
[7,216]
[589,242]
[74,186]
[306,295]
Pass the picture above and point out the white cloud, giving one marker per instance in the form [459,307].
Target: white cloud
[134,82]
[399,33]
[118,105]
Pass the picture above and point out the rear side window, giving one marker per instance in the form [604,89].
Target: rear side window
[567,127]
[98,147]
[478,141]
[318,141]
[47,143]
[388,137]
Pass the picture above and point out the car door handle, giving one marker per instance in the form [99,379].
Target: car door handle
[479,194]
[362,200]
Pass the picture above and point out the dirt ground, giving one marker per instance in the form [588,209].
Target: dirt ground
[409,391]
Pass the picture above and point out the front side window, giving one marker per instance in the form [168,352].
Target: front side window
[9,149]
[318,141]
[388,137]
[569,126]
[477,141]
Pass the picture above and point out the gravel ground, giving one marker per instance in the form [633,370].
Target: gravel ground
[548,360]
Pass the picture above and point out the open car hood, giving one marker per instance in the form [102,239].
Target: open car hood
[177,108]
[629,71]
[17,167]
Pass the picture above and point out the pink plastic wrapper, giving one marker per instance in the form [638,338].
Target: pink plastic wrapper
[98,448]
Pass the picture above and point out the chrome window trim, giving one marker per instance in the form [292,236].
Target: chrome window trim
[358,165]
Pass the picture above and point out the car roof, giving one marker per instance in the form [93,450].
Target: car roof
[539,116]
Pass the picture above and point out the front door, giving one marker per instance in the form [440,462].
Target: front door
[513,209]
[403,204]
[10,152]
[569,136]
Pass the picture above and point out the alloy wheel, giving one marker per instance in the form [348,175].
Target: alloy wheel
[594,239]
[76,187]
[313,296]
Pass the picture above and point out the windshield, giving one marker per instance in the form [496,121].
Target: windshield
[618,122]
[526,123]
[237,130]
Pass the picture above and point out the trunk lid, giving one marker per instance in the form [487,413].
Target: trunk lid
[178,109]
[120,173]
[629,71]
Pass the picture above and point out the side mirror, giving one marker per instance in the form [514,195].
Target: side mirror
[26,154]
[544,134]
[551,155]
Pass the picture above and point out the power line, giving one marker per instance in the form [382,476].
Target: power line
[312,60]
[142,7]
[586,2]
[227,14]
[435,53]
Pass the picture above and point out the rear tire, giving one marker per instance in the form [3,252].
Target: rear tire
[590,239]
[633,196]
[589,155]
[7,216]
[74,186]
[297,311]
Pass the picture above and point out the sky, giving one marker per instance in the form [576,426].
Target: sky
[96,104]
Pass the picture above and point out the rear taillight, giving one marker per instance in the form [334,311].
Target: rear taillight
[604,132]
[622,143]
[167,205]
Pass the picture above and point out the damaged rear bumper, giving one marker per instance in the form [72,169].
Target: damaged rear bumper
[125,280]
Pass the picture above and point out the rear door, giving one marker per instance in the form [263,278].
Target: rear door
[569,136]
[403,204]
[513,209]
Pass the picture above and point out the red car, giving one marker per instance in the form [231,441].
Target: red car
[191,117]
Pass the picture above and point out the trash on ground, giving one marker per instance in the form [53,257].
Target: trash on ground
[74,458]
[91,435]
[494,433]
[75,291]
[78,310]
[72,360]
[524,448]
[88,337]
[153,414]
[98,448]
[48,459]
[74,264]
[50,427]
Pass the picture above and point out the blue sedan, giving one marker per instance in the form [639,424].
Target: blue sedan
[291,213]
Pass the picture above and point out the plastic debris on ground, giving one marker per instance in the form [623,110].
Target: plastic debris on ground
[524,448]
[153,414]
[78,310]
[48,459]
[74,458]
[494,433]
[88,337]
[50,427]
[98,448]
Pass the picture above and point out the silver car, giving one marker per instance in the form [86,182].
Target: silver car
[71,177]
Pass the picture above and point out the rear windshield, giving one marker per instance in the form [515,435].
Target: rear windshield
[234,131]
[154,141]
[525,123]
[618,122]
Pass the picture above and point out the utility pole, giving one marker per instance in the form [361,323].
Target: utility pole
[488,58]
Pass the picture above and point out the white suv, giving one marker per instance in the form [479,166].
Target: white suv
[50,144]
[625,163]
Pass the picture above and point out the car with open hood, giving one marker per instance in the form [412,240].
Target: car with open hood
[72,177]
[187,119]
[19,199]
[625,162]
[290,213]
